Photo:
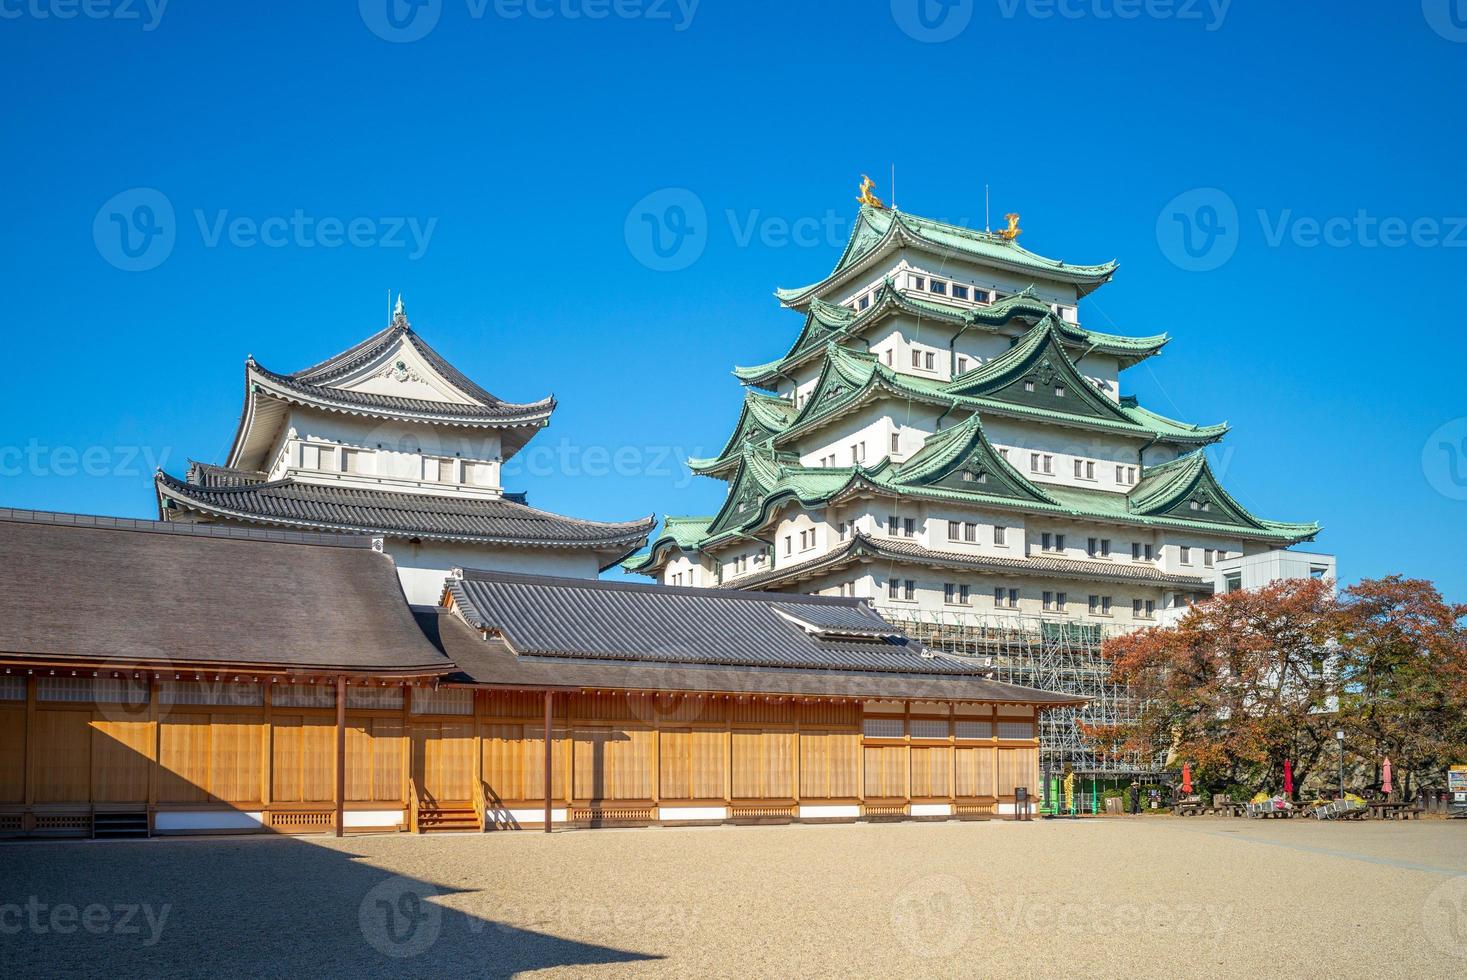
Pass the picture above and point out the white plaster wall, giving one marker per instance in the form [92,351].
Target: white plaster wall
[423,568]
[394,452]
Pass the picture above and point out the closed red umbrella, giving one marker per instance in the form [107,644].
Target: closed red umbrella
[1385,776]
[1186,777]
[1288,779]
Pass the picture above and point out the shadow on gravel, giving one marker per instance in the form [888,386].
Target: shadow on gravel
[250,907]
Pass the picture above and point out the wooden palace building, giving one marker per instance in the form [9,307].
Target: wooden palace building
[165,678]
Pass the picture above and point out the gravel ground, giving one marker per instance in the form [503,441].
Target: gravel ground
[1137,897]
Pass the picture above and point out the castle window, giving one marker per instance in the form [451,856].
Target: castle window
[909,527]
[960,292]
[982,296]
[896,443]
[919,282]
[916,358]
[931,361]
[1185,553]
[949,593]
[962,365]
[1028,386]
[1000,535]
[1059,601]
[954,530]
[1048,603]
[964,595]
[970,532]
[909,590]
[893,588]
[865,301]
[1059,391]
[939,287]
[1207,554]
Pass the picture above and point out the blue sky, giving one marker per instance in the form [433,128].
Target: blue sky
[1282,184]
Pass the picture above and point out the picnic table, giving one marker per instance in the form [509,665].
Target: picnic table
[1388,810]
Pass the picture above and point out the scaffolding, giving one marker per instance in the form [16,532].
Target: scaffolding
[1053,655]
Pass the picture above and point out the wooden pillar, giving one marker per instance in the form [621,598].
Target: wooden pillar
[549,759]
[30,750]
[340,755]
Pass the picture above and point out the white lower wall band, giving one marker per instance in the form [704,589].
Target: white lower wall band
[692,813]
[208,820]
[932,809]
[830,811]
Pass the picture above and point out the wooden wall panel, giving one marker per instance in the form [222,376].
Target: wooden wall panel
[387,757]
[443,759]
[1017,767]
[613,763]
[373,760]
[675,781]
[830,763]
[514,761]
[183,758]
[764,712]
[303,759]
[517,704]
[234,757]
[932,768]
[975,771]
[693,763]
[285,758]
[846,714]
[763,764]
[63,756]
[12,753]
[885,771]
[122,752]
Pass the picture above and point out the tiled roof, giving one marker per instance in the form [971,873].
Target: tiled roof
[622,621]
[314,384]
[593,633]
[143,593]
[824,325]
[880,229]
[495,520]
[492,660]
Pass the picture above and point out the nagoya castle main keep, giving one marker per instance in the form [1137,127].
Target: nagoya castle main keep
[946,439]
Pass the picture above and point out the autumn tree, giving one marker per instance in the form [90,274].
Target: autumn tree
[1241,683]
[1403,662]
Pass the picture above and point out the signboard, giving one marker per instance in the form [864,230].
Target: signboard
[1457,783]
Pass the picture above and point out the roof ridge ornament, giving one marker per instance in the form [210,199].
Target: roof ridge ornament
[1013,231]
[399,315]
[867,197]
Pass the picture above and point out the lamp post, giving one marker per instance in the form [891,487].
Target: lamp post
[1340,737]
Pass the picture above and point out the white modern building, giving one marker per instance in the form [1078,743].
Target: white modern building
[389,439]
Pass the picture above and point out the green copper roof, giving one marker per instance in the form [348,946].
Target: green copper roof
[880,229]
[762,417]
[850,379]
[826,322]
[959,464]
[683,533]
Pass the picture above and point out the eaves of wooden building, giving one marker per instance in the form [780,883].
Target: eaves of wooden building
[164,678]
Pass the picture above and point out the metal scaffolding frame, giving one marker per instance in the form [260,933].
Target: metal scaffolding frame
[1051,654]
